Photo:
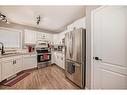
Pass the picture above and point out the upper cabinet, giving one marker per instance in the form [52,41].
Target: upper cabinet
[30,37]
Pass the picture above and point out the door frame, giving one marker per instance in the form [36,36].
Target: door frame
[92,43]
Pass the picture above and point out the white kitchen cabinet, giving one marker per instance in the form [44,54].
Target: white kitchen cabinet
[29,61]
[30,37]
[0,71]
[56,39]
[59,59]
[53,57]
[11,66]
[7,68]
[18,64]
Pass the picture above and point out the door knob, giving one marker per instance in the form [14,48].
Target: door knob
[97,58]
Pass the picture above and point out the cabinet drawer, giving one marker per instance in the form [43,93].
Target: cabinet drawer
[30,55]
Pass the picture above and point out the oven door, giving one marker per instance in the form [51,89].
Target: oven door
[43,57]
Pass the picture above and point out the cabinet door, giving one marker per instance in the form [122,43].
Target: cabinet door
[0,72]
[38,36]
[29,61]
[57,59]
[18,64]
[7,69]
[30,37]
[61,61]
[53,58]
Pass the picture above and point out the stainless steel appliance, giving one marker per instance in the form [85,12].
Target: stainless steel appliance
[75,51]
[43,57]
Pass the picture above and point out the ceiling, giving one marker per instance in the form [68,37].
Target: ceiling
[53,18]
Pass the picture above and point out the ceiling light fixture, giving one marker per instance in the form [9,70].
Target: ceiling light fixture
[3,18]
[38,20]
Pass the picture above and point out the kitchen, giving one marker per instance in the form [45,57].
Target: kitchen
[26,48]
[63,47]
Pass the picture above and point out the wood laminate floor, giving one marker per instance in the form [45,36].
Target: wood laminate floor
[51,77]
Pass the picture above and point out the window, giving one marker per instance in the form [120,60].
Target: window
[11,38]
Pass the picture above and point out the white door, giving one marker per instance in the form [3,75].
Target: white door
[30,37]
[18,64]
[7,68]
[110,47]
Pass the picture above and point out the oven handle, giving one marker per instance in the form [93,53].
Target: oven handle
[43,53]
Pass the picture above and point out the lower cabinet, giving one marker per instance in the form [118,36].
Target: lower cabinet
[53,58]
[11,66]
[59,60]
[18,64]
[29,61]
[7,68]
[0,72]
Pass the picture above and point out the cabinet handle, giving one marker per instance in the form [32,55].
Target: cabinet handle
[13,62]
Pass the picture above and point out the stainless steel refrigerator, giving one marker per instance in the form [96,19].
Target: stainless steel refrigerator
[75,56]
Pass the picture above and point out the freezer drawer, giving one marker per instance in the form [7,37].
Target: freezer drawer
[75,72]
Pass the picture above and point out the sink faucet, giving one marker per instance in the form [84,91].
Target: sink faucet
[2,49]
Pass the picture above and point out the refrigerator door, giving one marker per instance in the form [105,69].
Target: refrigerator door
[73,43]
[77,46]
[69,45]
[74,72]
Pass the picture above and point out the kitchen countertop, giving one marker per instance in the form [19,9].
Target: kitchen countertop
[16,54]
[58,51]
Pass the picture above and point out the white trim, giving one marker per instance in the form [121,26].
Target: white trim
[92,46]
[10,29]
[15,30]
